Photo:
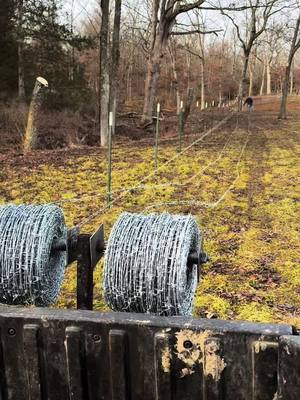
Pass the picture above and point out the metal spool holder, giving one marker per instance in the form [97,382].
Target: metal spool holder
[88,249]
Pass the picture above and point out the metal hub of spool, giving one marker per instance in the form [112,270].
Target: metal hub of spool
[67,246]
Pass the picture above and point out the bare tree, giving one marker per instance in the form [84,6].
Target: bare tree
[270,47]
[251,73]
[263,76]
[257,16]
[173,55]
[295,46]
[163,18]
[21,79]
[199,26]
[114,81]
[292,77]
[130,47]
[194,46]
[104,72]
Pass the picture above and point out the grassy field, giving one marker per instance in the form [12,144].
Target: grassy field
[241,182]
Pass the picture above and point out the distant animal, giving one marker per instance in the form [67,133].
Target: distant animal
[249,103]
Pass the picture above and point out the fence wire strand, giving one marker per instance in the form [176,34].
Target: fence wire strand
[161,185]
[201,203]
[153,173]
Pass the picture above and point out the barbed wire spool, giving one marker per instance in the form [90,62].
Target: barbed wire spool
[146,264]
[30,271]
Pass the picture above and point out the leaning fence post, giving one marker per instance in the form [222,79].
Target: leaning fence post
[181,126]
[157,135]
[109,158]
[31,134]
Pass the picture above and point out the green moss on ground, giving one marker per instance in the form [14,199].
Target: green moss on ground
[252,236]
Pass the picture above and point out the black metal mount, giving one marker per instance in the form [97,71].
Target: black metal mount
[87,250]
[197,259]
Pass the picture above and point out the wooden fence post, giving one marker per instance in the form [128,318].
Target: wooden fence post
[31,134]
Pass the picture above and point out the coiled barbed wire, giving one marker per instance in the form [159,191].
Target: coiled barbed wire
[145,266]
[30,272]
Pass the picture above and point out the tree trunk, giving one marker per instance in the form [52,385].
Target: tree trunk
[188,70]
[285,91]
[202,82]
[114,88]
[250,81]
[285,87]
[104,73]
[21,78]
[72,55]
[153,64]
[269,79]
[161,27]
[262,87]
[242,83]
[129,83]
[190,100]
[292,79]
[153,73]
[31,134]
[175,79]
[220,98]
[21,84]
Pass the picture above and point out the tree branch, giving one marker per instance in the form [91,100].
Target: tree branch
[181,33]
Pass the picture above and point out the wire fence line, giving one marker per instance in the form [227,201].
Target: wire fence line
[153,173]
[162,185]
[201,203]
[140,185]
[225,193]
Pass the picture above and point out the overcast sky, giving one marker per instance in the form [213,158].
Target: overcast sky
[86,8]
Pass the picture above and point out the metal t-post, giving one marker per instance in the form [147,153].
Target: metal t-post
[157,135]
[109,198]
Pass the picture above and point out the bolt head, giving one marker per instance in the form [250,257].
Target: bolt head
[11,331]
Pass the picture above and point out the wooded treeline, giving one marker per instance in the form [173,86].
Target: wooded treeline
[35,40]
[169,51]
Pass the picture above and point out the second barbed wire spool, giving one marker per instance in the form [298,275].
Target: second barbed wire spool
[30,271]
[146,264]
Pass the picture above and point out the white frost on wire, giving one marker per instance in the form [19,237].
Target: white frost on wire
[29,272]
[145,266]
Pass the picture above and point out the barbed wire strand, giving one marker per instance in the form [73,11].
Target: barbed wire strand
[201,203]
[162,185]
[108,206]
